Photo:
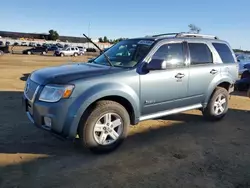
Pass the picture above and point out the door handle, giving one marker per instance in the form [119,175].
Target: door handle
[213,71]
[179,75]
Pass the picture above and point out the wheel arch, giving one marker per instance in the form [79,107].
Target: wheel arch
[124,96]
[224,83]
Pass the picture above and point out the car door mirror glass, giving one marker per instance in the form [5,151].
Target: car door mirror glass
[157,64]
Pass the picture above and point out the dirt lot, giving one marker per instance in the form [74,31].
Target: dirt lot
[176,151]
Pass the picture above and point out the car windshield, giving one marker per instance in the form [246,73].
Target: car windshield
[126,53]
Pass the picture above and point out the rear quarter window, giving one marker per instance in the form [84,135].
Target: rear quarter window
[224,52]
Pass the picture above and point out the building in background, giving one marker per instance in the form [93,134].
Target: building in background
[39,36]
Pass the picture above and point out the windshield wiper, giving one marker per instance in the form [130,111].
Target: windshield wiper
[103,52]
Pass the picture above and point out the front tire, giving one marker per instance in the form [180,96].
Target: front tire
[104,127]
[62,54]
[218,105]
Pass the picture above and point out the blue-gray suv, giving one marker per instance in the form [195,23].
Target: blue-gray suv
[135,80]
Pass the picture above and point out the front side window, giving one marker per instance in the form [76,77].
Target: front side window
[126,53]
[200,54]
[173,54]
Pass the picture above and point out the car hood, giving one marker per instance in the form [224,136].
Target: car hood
[65,73]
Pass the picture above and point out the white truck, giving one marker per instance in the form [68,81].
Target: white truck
[68,51]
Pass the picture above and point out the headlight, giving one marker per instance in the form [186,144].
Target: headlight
[53,93]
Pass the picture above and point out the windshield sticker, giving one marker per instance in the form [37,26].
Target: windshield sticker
[146,42]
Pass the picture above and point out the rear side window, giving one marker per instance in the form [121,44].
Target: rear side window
[200,54]
[224,52]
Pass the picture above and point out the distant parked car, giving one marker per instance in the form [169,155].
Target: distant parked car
[243,60]
[59,45]
[91,50]
[32,44]
[66,45]
[38,45]
[68,51]
[24,44]
[16,43]
[36,50]
[81,49]
[244,83]
[53,48]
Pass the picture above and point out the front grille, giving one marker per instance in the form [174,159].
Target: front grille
[30,89]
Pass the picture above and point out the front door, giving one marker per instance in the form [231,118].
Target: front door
[163,90]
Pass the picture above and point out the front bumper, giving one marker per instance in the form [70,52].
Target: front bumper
[57,112]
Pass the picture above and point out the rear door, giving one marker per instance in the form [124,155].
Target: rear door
[230,66]
[202,71]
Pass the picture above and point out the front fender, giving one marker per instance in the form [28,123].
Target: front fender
[96,92]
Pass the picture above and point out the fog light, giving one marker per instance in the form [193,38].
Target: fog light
[47,121]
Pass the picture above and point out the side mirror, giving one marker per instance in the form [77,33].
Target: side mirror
[157,64]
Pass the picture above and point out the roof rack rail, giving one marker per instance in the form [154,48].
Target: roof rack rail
[196,35]
[165,34]
[184,34]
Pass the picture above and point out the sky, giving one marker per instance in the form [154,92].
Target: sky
[229,20]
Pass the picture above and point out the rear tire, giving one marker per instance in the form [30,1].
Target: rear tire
[62,54]
[104,127]
[29,52]
[75,54]
[218,105]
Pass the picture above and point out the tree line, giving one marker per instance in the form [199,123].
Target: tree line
[112,41]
